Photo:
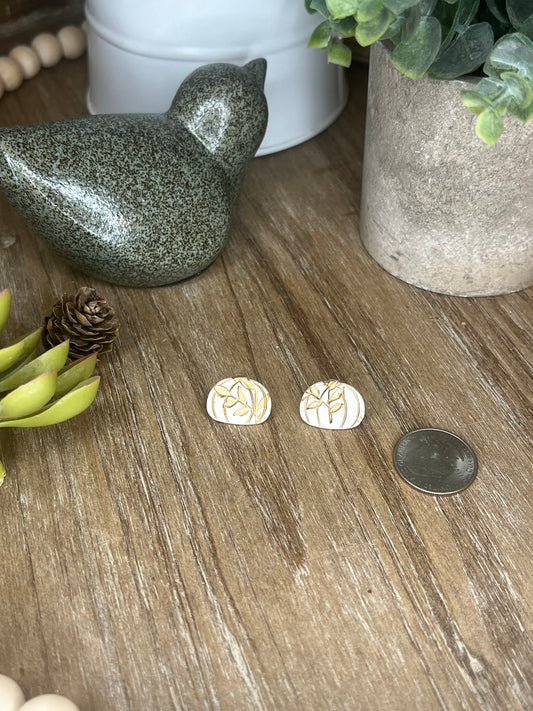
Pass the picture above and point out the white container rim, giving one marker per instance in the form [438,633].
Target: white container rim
[199,54]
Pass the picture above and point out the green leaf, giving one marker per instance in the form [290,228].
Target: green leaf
[468,52]
[344,28]
[411,22]
[467,11]
[427,7]
[5,306]
[394,31]
[491,87]
[414,56]
[70,405]
[454,19]
[498,9]
[339,53]
[368,9]
[520,88]
[526,28]
[475,101]
[28,398]
[54,358]
[342,8]
[522,115]
[366,33]
[489,126]
[19,350]
[519,11]
[511,53]
[320,36]
[73,374]
[318,6]
[399,6]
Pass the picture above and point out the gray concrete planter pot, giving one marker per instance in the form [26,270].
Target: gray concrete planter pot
[441,209]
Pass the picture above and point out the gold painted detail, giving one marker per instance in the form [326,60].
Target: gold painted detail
[239,401]
[332,405]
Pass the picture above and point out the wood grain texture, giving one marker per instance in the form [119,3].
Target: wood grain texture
[152,558]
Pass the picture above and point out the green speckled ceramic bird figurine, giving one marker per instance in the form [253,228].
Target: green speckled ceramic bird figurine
[141,199]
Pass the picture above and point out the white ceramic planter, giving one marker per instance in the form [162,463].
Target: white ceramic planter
[140,52]
[441,209]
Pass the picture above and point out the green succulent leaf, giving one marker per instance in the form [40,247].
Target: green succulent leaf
[465,54]
[320,36]
[2,473]
[366,33]
[28,398]
[19,350]
[339,53]
[54,358]
[489,126]
[70,405]
[74,373]
[414,56]
[5,306]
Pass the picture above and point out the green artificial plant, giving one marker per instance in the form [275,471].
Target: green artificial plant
[38,389]
[444,39]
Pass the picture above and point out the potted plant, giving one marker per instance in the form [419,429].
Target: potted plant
[440,208]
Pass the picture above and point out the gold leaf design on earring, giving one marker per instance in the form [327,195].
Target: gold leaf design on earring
[239,401]
[332,405]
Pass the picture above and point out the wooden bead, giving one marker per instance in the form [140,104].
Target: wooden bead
[48,49]
[73,41]
[11,696]
[10,73]
[28,60]
[49,702]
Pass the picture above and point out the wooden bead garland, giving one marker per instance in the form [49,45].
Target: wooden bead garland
[28,59]
[10,73]
[46,50]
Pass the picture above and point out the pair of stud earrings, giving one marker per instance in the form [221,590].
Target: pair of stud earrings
[328,404]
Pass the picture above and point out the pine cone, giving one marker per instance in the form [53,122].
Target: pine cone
[86,319]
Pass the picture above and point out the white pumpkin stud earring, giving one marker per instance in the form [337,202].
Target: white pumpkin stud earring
[332,405]
[239,401]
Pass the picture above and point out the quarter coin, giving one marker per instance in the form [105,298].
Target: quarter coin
[435,461]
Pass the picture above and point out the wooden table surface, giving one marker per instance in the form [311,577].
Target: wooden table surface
[153,559]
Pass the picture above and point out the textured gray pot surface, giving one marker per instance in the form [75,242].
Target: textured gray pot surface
[441,209]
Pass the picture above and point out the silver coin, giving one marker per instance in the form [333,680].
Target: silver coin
[435,461]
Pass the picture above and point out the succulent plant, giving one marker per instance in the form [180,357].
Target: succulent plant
[445,39]
[41,388]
